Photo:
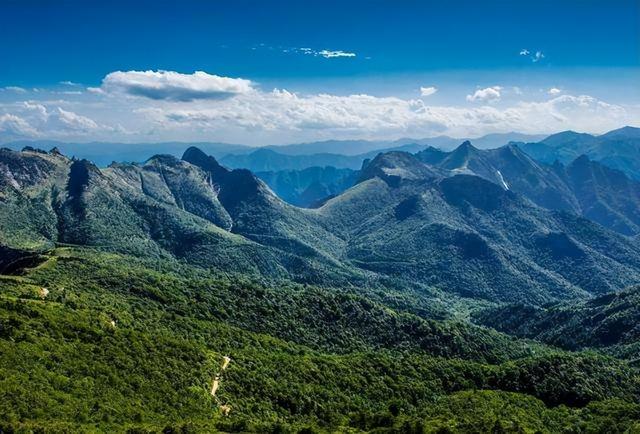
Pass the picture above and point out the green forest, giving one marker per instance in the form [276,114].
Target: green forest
[95,341]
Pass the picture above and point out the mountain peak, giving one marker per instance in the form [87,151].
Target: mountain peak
[394,167]
[206,162]
[466,145]
[626,132]
[165,159]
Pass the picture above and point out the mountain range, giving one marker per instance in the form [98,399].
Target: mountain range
[104,153]
[424,290]
[438,225]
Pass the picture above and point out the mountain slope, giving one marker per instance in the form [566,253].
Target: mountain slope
[583,187]
[165,206]
[120,343]
[405,220]
[606,322]
[473,237]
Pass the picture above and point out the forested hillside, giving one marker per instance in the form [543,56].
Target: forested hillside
[124,289]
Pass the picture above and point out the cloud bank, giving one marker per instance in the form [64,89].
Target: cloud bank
[164,105]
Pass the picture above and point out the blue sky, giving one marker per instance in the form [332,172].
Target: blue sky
[59,54]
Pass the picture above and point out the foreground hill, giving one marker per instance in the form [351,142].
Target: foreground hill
[117,343]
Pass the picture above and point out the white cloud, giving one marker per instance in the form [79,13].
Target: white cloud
[426,91]
[33,119]
[73,121]
[524,52]
[278,116]
[486,95]
[15,125]
[327,54]
[267,115]
[554,91]
[15,89]
[174,86]
[517,90]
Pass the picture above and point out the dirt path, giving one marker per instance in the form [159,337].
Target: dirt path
[215,384]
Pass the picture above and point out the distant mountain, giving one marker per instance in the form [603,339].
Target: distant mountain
[491,141]
[311,186]
[267,160]
[104,153]
[583,187]
[623,133]
[618,149]
[356,147]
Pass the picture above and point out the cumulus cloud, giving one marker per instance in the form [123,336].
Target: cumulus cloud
[73,121]
[524,52]
[486,95]
[174,86]
[426,91]
[320,116]
[33,119]
[554,91]
[17,126]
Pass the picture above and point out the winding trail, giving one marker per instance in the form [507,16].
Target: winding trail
[215,384]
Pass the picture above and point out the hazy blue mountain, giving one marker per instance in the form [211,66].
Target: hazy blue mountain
[491,141]
[311,186]
[267,160]
[618,149]
[356,147]
[627,132]
[104,153]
